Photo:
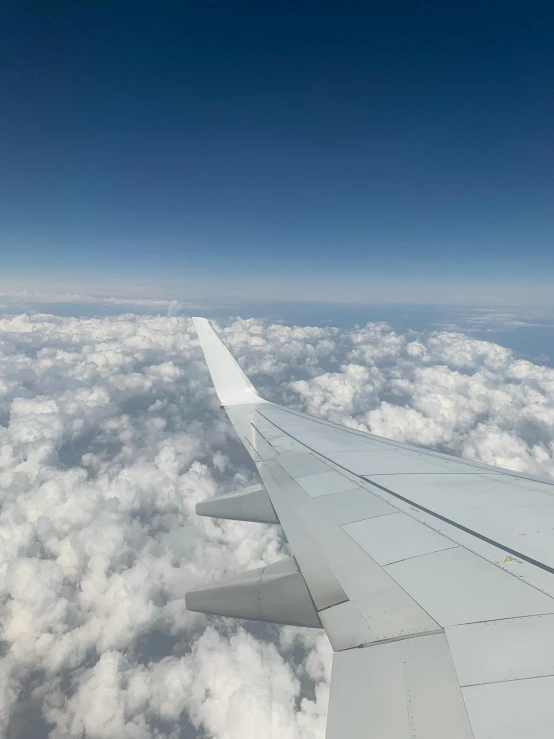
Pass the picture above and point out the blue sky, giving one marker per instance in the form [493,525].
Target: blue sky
[357,151]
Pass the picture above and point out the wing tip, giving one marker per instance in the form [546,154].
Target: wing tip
[232,385]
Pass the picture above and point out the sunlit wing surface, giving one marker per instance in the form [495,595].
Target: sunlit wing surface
[433,577]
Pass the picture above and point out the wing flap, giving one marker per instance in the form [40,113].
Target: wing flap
[404,689]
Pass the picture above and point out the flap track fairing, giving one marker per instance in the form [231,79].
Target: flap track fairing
[250,504]
[276,593]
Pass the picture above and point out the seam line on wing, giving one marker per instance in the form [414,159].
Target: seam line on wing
[494,620]
[258,457]
[404,637]
[508,680]
[366,518]
[424,554]
[260,433]
[346,600]
[399,474]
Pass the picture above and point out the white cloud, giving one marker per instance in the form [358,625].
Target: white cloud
[231,685]
[102,459]
[109,435]
[337,395]
[472,398]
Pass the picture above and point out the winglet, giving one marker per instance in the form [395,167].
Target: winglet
[231,384]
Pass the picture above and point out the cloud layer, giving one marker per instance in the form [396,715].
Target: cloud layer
[110,434]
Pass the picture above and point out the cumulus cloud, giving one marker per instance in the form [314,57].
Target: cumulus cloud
[230,685]
[446,390]
[110,434]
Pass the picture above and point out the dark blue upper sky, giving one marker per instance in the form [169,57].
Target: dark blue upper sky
[401,151]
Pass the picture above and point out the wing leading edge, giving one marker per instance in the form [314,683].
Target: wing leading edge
[432,577]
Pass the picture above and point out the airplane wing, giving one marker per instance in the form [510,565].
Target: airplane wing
[433,577]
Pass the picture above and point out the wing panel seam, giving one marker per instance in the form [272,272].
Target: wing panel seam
[403,637]
[508,680]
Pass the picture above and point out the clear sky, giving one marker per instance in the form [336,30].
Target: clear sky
[364,151]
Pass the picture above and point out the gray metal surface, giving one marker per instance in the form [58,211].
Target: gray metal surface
[400,690]
[507,649]
[517,512]
[354,505]
[518,709]
[396,537]
[324,483]
[457,587]
[497,554]
[345,626]
[298,465]
[284,444]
